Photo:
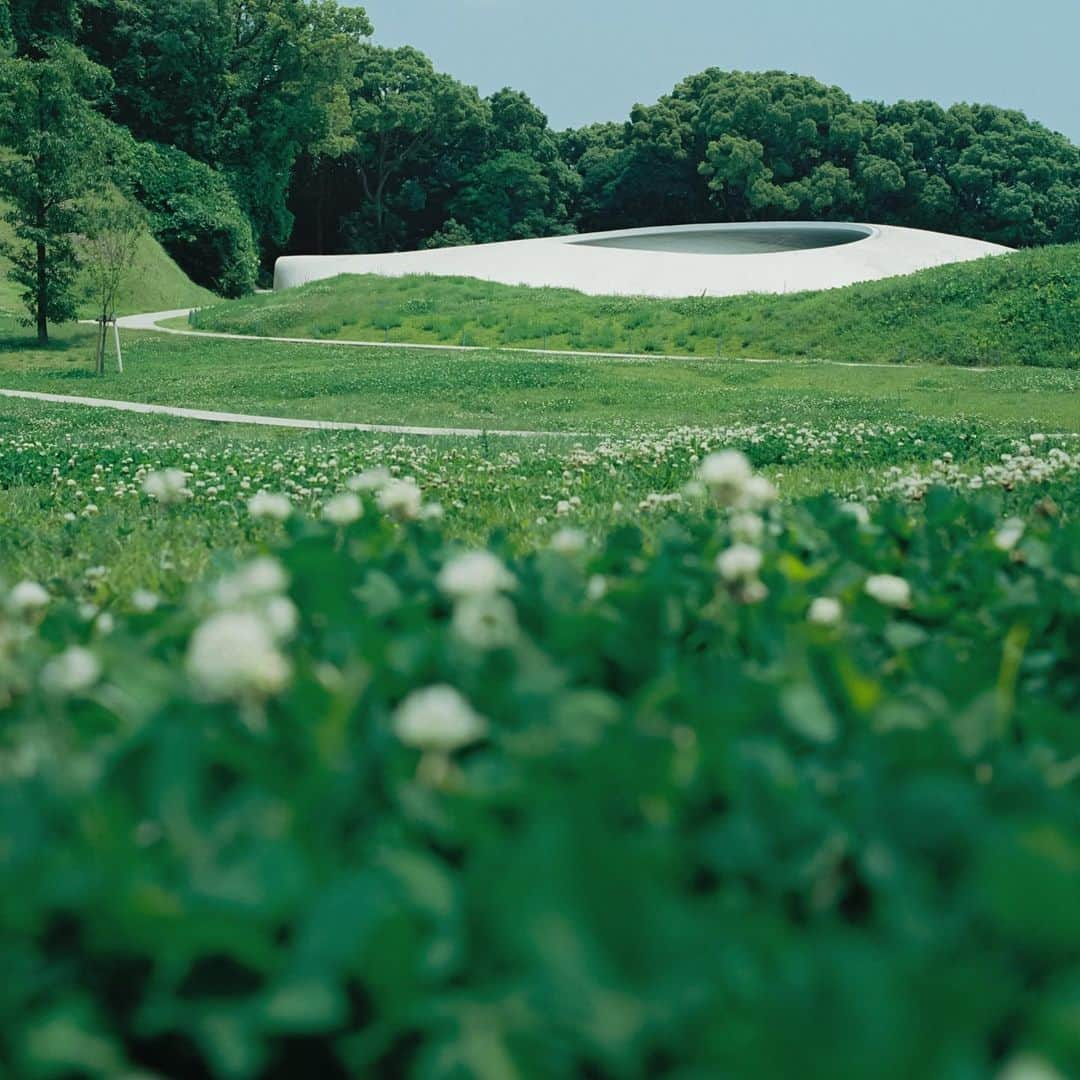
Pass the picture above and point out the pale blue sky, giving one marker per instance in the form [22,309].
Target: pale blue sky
[586,60]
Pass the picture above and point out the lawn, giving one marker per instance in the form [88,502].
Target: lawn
[507,391]
[1022,308]
[291,719]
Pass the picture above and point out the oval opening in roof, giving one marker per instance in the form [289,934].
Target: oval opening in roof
[755,238]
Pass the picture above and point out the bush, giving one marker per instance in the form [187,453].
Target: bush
[196,218]
[674,820]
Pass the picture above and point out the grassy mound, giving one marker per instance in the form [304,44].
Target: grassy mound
[1017,309]
[155,283]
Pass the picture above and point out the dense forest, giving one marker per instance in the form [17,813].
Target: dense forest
[248,128]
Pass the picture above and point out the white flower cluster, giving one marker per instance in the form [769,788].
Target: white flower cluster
[888,589]
[74,671]
[235,652]
[270,505]
[729,478]
[483,617]
[1026,464]
[28,597]
[438,720]
[167,486]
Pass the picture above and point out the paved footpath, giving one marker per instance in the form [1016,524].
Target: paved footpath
[282,421]
[151,322]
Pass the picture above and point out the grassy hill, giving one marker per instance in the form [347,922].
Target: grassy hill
[1016,309]
[155,283]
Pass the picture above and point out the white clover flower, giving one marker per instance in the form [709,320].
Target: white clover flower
[281,616]
[597,587]
[725,474]
[476,573]
[757,493]
[343,509]
[438,719]
[1009,535]
[259,578]
[28,596]
[740,562]
[233,654]
[1029,1067]
[747,528]
[144,601]
[401,499]
[273,507]
[889,590]
[485,622]
[825,611]
[370,480]
[167,486]
[74,671]
[569,541]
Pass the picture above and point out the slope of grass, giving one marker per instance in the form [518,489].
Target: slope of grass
[523,391]
[1016,309]
[155,283]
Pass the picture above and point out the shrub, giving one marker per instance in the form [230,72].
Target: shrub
[660,813]
[196,218]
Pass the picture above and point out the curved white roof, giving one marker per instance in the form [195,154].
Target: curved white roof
[685,260]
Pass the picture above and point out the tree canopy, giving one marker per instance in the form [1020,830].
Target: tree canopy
[264,126]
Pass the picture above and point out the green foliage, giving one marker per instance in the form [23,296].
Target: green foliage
[154,284]
[54,157]
[414,129]
[196,217]
[739,146]
[35,25]
[243,85]
[1015,309]
[524,189]
[697,834]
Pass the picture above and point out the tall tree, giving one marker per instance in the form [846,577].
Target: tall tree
[246,86]
[34,25]
[522,188]
[414,128]
[55,156]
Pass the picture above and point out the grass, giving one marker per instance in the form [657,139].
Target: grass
[155,283]
[70,494]
[1019,309]
[491,390]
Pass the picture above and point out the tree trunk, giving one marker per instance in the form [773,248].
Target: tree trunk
[100,365]
[320,209]
[42,296]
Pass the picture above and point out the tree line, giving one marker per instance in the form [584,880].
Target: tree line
[249,128]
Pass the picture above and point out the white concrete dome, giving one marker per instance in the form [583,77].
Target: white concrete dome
[683,260]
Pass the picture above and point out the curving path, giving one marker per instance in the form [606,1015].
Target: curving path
[153,320]
[281,421]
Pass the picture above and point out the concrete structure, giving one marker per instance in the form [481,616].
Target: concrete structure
[685,260]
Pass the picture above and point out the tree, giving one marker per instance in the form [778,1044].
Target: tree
[415,128]
[54,157]
[34,25]
[522,188]
[114,227]
[196,217]
[246,86]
